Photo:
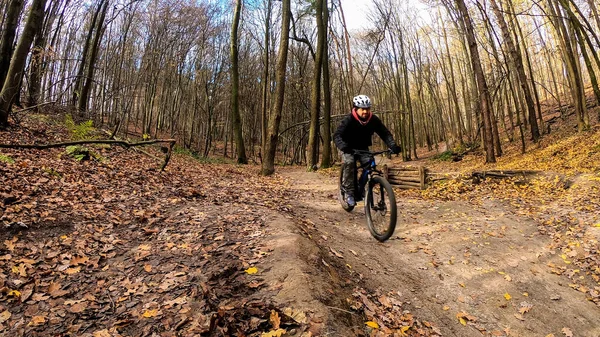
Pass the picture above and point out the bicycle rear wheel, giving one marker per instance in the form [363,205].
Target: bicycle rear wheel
[341,195]
[380,208]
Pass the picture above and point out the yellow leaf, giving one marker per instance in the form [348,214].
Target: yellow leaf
[507,296]
[275,320]
[4,316]
[71,271]
[462,321]
[252,270]
[446,308]
[37,320]
[403,330]
[148,268]
[150,313]
[372,324]
[14,293]
[273,333]
[597,225]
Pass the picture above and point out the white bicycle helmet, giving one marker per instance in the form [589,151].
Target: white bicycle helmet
[362,101]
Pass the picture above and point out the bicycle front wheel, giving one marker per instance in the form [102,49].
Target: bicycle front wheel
[380,208]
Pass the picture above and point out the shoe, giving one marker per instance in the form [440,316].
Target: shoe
[350,201]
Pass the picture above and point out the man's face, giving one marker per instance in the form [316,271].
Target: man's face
[363,113]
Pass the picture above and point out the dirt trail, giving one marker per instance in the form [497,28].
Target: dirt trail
[468,268]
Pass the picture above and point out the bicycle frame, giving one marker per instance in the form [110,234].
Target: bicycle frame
[369,169]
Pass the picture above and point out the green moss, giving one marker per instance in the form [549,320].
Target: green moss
[6,159]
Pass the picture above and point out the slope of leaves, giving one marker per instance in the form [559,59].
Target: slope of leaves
[115,247]
[563,198]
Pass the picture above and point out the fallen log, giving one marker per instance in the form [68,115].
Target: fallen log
[95,141]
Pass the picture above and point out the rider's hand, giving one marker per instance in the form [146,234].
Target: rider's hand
[396,149]
[347,149]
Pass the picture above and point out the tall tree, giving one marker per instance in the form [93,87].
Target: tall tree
[315,95]
[484,96]
[517,60]
[327,153]
[268,165]
[11,22]
[17,64]
[235,86]
[91,66]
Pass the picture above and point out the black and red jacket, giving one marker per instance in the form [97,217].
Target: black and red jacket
[356,135]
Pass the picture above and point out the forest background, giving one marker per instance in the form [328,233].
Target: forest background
[219,78]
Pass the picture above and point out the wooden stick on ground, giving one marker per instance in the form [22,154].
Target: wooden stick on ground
[94,141]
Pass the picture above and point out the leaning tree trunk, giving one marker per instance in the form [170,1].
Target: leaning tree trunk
[8,36]
[17,64]
[235,86]
[517,61]
[484,96]
[268,165]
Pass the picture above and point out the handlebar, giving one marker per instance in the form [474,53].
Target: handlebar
[372,153]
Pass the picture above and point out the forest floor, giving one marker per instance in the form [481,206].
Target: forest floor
[113,247]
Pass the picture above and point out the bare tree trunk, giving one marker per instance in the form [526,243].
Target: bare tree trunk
[315,95]
[484,98]
[37,64]
[15,71]
[518,63]
[327,153]
[268,165]
[84,55]
[8,36]
[89,78]
[235,86]
[266,79]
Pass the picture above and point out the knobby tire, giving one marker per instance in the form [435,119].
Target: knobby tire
[390,201]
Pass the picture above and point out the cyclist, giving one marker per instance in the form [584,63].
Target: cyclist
[354,133]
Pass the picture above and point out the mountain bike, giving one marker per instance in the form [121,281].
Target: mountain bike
[377,192]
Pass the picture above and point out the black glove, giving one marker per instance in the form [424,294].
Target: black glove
[396,149]
[347,149]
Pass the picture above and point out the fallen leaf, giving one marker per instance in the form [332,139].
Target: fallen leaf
[507,296]
[519,317]
[252,270]
[372,324]
[273,333]
[37,320]
[102,333]
[446,308]
[150,313]
[275,320]
[296,315]
[71,271]
[525,307]
[78,260]
[79,307]
[4,316]
[567,332]
[14,293]
[148,268]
